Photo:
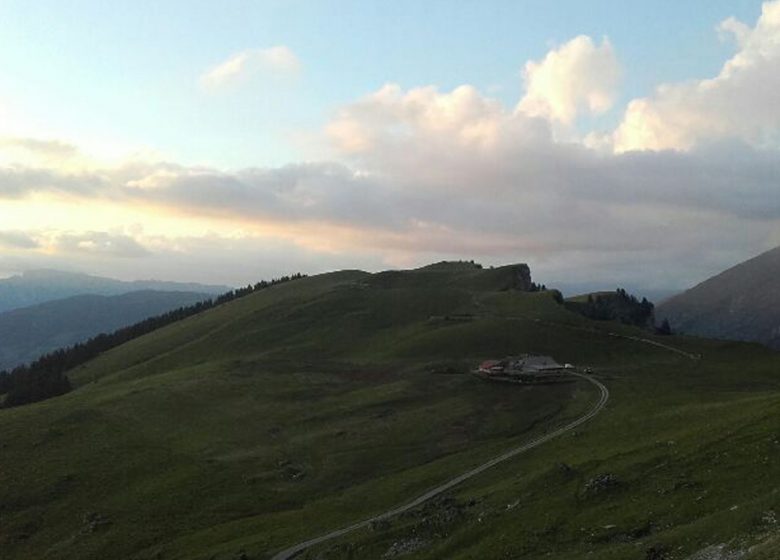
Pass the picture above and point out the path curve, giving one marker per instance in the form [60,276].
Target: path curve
[658,344]
[293,551]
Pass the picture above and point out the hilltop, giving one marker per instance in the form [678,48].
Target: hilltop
[316,403]
[618,306]
[741,303]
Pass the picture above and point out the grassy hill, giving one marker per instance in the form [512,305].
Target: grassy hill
[316,403]
[741,303]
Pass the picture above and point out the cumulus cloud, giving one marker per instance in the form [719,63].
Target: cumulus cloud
[739,103]
[391,115]
[536,201]
[733,29]
[423,173]
[577,76]
[277,59]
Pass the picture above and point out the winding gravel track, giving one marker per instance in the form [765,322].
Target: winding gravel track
[604,397]
[658,344]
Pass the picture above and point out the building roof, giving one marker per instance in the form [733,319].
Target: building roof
[540,361]
[487,364]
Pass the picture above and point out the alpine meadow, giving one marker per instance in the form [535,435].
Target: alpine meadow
[359,280]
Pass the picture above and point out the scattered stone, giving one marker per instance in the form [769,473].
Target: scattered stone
[292,472]
[93,522]
[718,552]
[601,483]
[435,519]
[407,546]
[657,552]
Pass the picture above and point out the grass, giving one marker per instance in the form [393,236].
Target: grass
[311,405]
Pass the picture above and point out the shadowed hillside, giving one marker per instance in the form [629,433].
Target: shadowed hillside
[38,286]
[742,303]
[29,332]
[310,405]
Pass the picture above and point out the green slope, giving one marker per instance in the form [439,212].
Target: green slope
[313,404]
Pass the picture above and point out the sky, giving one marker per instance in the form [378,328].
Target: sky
[604,143]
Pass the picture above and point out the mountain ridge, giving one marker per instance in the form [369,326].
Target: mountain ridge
[29,332]
[41,285]
[740,303]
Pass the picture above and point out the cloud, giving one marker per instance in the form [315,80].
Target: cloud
[732,28]
[209,257]
[100,243]
[391,116]
[18,240]
[739,103]
[18,181]
[455,174]
[423,173]
[279,59]
[29,153]
[577,76]
[48,148]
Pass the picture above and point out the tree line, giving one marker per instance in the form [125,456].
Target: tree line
[619,305]
[46,377]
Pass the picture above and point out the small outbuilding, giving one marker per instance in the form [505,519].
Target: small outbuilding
[529,363]
[492,367]
[526,368]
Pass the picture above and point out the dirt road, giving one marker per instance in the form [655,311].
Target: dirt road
[603,398]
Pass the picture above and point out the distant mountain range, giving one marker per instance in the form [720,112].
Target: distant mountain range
[742,303]
[28,332]
[38,286]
